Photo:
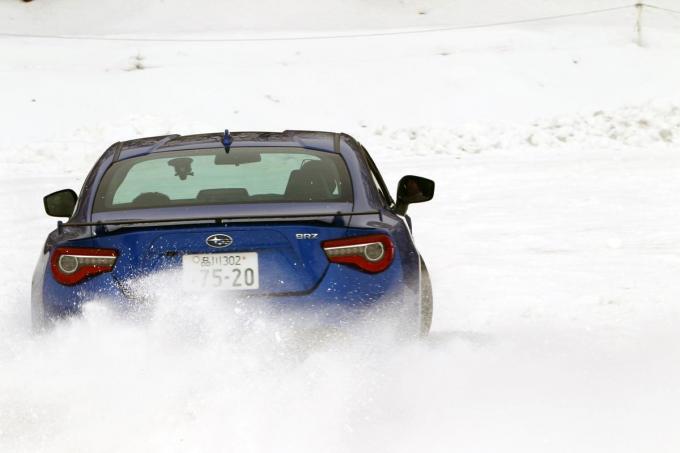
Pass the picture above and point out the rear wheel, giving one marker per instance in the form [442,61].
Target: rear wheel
[425,300]
[39,321]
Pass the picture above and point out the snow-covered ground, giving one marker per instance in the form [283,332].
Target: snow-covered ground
[553,240]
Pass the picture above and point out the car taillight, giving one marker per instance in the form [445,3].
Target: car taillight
[71,265]
[372,253]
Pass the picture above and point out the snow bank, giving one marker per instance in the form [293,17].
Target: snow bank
[632,127]
[627,127]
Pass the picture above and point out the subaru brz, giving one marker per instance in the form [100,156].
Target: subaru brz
[299,218]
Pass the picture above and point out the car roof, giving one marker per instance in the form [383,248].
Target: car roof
[317,140]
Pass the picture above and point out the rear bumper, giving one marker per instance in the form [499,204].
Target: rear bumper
[342,292]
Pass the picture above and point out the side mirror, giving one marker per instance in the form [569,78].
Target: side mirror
[60,203]
[413,189]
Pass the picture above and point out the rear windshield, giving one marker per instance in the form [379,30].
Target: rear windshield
[213,176]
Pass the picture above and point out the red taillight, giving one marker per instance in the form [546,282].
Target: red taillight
[71,265]
[372,253]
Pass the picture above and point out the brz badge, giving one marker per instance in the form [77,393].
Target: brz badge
[306,236]
[219,240]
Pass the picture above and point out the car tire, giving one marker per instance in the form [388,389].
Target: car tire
[426,300]
[38,320]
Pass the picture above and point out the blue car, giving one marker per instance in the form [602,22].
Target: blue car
[297,218]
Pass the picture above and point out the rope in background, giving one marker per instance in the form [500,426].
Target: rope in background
[338,36]
[661,8]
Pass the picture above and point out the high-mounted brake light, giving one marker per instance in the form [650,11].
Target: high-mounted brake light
[71,265]
[372,253]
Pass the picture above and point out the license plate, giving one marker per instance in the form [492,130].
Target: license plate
[218,271]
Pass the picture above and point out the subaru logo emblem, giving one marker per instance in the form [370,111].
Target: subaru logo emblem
[219,240]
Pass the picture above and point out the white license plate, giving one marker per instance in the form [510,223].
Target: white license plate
[215,271]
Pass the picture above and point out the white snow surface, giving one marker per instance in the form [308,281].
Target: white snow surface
[553,238]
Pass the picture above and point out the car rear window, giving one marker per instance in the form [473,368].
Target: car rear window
[213,176]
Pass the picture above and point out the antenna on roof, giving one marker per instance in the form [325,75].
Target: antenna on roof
[227,140]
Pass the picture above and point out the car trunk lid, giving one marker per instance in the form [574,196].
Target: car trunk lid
[289,256]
